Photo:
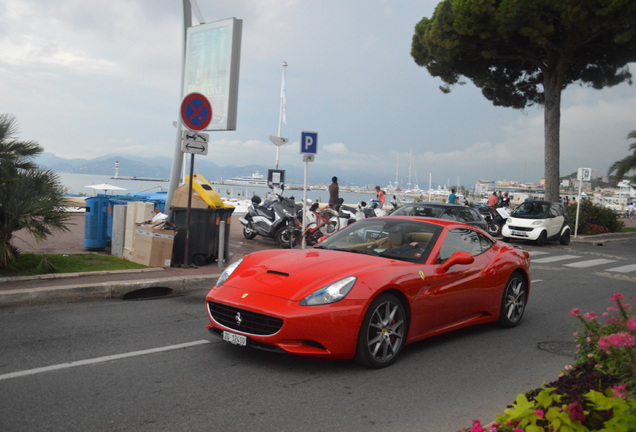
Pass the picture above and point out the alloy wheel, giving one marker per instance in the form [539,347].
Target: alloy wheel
[513,302]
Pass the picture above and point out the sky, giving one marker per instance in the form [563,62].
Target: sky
[92,78]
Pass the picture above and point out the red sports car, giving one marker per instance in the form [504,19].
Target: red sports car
[370,289]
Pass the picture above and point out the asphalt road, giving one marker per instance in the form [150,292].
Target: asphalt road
[152,366]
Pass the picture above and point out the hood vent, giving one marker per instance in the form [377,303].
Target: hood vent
[280,273]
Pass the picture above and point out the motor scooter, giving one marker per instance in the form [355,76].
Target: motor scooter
[495,218]
[275,219]
[373,210]
[347,214]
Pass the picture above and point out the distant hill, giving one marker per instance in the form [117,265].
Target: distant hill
[153,167]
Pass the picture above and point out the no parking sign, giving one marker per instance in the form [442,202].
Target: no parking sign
[196,111]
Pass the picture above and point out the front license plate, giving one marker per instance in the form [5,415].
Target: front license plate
[519,233]
[234,339]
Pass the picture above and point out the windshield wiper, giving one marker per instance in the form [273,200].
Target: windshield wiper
[360,251]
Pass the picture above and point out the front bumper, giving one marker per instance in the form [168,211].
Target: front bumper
[276,324]
[521,232]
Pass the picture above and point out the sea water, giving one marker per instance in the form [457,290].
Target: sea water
[78,184]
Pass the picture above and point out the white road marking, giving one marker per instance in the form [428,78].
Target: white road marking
[554,259]
[535,253]
[100,360]
[623,269]
[590,263]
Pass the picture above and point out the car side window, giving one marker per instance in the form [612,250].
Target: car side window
[485,242]
[449,215]
[554,212]
[463,240]
[476,216]
[464,215]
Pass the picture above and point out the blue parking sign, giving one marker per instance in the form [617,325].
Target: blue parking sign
[309,142]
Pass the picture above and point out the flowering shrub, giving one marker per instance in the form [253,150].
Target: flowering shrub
[597,229]
[598,393]
[594,219]
[610,344]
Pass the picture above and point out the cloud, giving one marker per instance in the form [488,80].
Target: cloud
[86,79]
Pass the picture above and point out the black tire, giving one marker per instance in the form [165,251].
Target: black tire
[383,332]
[330,227]
[494,229]
[286,237]
[249,233]
[513,301]
[542,238]
[565,238]
[199,260]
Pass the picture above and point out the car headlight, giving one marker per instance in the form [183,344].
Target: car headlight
[228,272]
[537,223]
[331,293]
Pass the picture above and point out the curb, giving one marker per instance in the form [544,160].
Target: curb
[49,276]
[599,238]
[102,290]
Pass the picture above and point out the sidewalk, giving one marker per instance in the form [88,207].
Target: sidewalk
[72,287]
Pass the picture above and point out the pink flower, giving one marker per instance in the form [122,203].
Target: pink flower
[539,413]
[477,427]
[575,312]
[620,391]
[576,412]
[604,343]
[631,323]
[622,339]
[591,316]
[618,340]
[617,297]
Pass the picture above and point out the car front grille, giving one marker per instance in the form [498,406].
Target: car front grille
[516,228]
[243,320]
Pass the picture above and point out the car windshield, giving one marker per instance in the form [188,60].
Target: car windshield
[393,238]
[531,210]
[419,210]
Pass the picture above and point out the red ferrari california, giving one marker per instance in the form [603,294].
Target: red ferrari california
[370,289]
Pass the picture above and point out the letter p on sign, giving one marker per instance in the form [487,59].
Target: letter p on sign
[309,142]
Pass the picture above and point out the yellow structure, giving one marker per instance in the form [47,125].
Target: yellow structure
[205,190]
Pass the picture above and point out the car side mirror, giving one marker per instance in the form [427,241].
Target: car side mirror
[456,258]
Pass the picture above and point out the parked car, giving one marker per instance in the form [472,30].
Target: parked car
[538,221]
[459,213]
[370,289]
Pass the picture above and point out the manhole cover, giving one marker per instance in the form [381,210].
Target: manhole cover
[560,348]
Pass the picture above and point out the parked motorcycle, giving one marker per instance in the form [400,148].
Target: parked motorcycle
[348,215]
[495,218]
[275,219]
[372,210]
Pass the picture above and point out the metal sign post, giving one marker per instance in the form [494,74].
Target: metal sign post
[308,148]
[196,114]
[584,174]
